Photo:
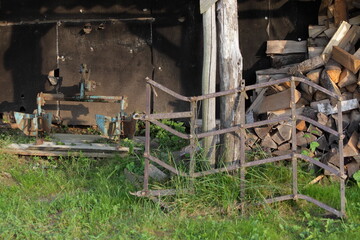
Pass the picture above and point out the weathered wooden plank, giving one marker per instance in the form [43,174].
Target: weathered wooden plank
[285,47]
[209,81]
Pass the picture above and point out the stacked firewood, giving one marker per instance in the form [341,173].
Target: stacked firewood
[330,58]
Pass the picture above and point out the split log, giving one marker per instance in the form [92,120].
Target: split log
[301,125]
[308,65]
[345,120]
[340,12]
[327,83]
[276,137]
[262,131]
[352,168]
[354,122]
[315,30]
[315,51]
[330,32]
[333,70]
[285,131]
[278,61]
[350,38]
[323,143]
[285,47]
[284,147]
[268,142]
[303,140]
[314,75]
[346,59]
[351,88]
[351,148]
[335,40]
[277,101]
[322,118]
[318,96]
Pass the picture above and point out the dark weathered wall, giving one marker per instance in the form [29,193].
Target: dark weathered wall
[123,54]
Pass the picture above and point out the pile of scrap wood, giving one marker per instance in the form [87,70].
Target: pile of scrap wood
[330,58]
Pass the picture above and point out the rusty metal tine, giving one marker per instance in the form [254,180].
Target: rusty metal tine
[165,165]
[217,94]
[267,84]
[320,204]
[318,87]
[279,199]
[147,138]
[248,125]
[322,165]
[167,90]
[268,160]
[159,116]
[242,140]
[293,140]
[341,157]
[193,137]
[317,124]
[229,168]
[169,129]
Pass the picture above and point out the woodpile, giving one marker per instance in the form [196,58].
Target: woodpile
[330,58]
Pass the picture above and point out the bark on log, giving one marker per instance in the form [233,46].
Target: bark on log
[231,66]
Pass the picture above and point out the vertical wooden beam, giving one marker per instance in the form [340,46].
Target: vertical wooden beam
[209,82]
[231,66]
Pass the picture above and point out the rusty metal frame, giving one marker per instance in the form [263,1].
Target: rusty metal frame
[241,164]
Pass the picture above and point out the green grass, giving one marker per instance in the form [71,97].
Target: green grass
[82,198]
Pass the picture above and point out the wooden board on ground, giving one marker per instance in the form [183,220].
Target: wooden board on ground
[52,149]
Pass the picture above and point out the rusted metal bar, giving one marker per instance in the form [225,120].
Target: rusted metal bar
[268,160]
[242,141]
[147,139]
[317,124]
[293,141]
[158,116]
[167,90]
[322,165]
[230,168]
[157,193]
[318,87]
[217,94]
[165,165]
[279,199]
[169,129]
[267,84]
[320,204]
[193,137]
[267,122]
[341,157]
[246,126]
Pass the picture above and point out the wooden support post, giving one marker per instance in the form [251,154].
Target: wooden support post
[231,66]
[209,82]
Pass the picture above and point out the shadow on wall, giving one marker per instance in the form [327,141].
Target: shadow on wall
[180,55]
